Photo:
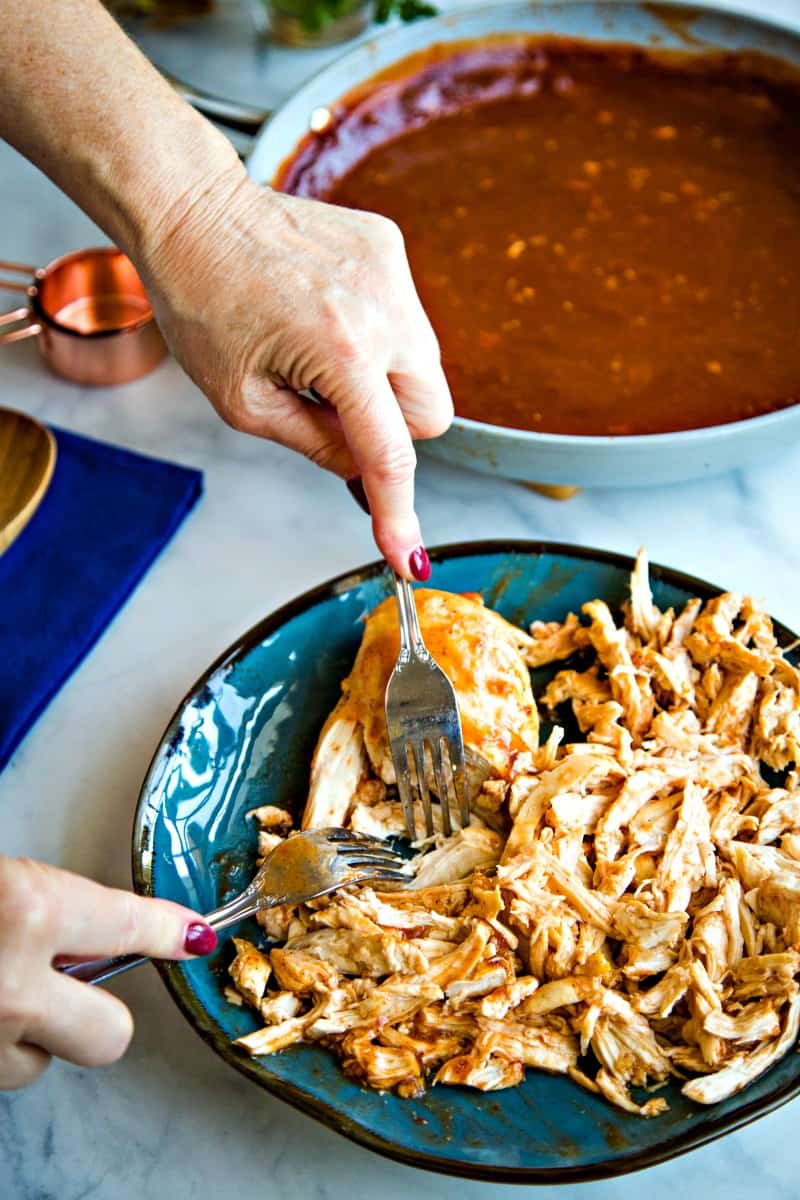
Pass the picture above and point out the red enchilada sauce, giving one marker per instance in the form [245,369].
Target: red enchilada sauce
[606,242]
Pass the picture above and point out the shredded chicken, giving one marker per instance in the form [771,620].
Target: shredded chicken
[624,907]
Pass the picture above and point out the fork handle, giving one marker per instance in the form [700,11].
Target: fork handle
[98,970]
[411,643]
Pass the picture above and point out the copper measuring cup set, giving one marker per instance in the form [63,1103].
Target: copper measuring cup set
[90,313]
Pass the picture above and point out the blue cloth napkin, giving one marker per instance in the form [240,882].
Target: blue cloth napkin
[106,516]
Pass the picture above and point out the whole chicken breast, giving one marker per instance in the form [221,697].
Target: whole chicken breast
[482,655]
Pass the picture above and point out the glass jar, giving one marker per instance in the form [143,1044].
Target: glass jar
[316,22]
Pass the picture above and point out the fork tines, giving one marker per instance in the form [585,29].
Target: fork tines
[424,727]
[361,852]
[426,762]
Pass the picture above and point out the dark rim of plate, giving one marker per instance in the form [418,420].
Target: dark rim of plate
[186,1000]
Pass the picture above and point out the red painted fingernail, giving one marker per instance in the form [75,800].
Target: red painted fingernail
[419,564]
[356,489]
[200,939]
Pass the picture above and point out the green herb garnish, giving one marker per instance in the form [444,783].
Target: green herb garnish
[407,10]
[315,15]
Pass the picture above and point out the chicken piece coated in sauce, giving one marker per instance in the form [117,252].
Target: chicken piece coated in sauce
[482,655]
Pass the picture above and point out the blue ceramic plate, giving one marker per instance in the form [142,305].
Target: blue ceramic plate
[244,736]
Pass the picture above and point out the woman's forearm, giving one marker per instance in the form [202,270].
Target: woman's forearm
[80,101]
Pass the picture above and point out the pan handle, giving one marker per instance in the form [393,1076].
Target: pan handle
[30,328]
[240,120]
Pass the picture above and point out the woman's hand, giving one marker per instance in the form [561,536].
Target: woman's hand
[48,916]
[262,296]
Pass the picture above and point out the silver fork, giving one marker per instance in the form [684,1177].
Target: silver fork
[302,867]
[424,725]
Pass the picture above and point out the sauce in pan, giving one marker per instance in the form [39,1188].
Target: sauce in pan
[606,242]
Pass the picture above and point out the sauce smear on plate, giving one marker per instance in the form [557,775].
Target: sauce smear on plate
[606,241]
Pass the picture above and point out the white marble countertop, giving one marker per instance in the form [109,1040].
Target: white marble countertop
[171,1119]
